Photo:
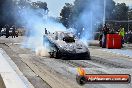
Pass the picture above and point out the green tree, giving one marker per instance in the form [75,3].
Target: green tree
[130,14]
[71,13]
[39,4]
[65,14]
[121,12]
[7,12]
[130,18]
[40,8]
[110,6]
[25,9]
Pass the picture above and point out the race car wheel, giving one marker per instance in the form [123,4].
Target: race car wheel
[88,58]
[57,55]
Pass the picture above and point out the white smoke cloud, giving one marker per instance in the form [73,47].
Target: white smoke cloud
[35,27]
[89,18]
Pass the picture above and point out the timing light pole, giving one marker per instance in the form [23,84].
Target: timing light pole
[104,12]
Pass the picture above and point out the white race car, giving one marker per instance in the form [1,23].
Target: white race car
[66,45]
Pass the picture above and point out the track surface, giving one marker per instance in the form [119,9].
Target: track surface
[45,72]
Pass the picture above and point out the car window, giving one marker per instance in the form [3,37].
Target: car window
[69,35]
[61,36]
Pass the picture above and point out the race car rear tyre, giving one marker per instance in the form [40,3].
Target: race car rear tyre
[88,58]
[57,55]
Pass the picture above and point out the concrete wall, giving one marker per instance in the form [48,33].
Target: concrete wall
[2,85]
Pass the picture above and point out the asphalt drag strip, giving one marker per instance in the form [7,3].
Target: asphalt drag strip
[62,73]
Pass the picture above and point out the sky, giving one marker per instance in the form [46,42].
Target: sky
[128,2]
[55,6]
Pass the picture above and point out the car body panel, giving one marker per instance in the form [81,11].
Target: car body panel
[74,48]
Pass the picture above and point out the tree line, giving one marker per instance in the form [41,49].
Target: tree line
[116,14]
[11,11]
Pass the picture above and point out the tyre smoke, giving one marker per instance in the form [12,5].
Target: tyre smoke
[35,22]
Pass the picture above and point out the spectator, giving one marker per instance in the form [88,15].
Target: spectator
[7,31]
[100,39]
[122,34]
[0,31]
[105,31]
[13,31]
[128,37]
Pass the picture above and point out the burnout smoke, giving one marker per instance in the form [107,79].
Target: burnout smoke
[35,22]
[90,19]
